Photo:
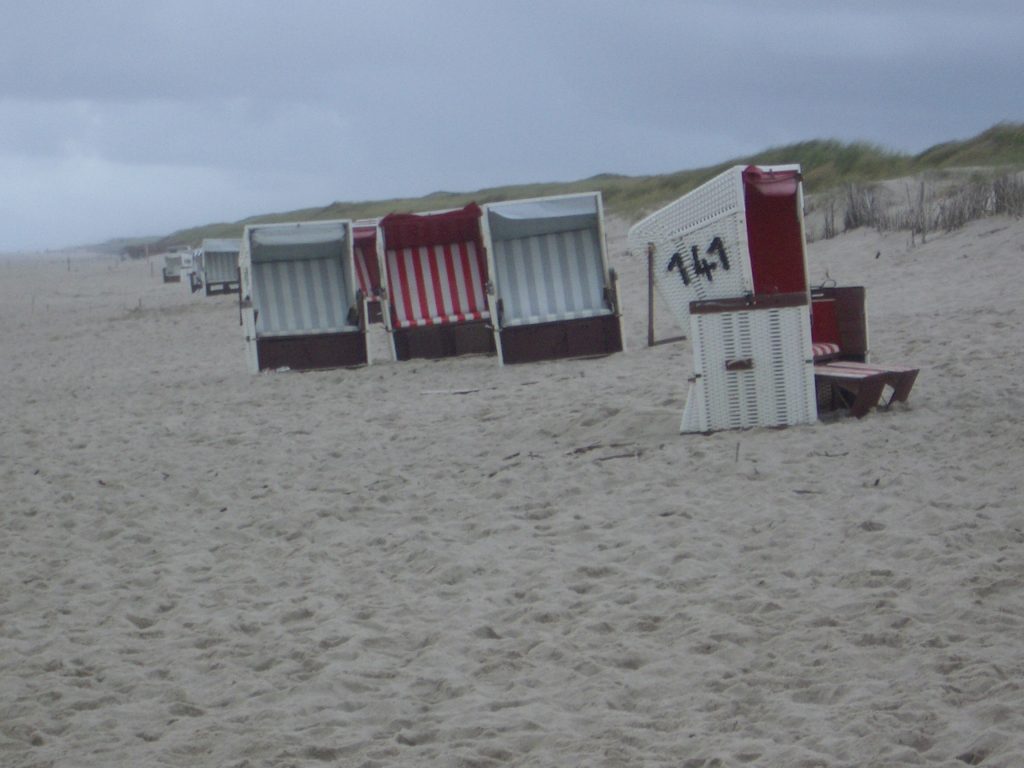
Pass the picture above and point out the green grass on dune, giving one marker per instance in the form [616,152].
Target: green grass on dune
[826,164]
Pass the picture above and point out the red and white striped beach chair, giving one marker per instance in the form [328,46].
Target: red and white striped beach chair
[435,273]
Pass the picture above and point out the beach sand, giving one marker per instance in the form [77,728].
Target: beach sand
[376,567]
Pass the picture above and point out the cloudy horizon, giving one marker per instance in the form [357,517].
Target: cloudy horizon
[127,119]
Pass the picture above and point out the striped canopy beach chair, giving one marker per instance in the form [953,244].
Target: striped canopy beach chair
[219,265]
[171,271]
[300,305]
[436,280]
[555,295]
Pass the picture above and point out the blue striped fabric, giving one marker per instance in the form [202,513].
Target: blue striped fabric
[300,297]
[548,278]
[220,266]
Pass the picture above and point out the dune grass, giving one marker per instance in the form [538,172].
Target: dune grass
[826,164]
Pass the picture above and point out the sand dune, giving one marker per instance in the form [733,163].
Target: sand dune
[452,564]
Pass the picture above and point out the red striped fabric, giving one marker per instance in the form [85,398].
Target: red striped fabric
[365,257]
[437,284]
[825,349]
[867,368]
[363,278]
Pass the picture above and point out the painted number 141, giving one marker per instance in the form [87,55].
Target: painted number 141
[701,266]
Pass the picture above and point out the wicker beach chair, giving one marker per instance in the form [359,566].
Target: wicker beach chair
[300,304]
[733,271]
[435,284]
[219,265]
[554,294]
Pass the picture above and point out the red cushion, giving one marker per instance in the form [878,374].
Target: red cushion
[824,350]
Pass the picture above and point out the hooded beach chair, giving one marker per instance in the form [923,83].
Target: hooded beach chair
[732,268]
[171,271]
[300,303]
[218,259]
[435,283]
[554,294]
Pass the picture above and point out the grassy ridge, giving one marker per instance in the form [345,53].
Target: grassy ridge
[826,164]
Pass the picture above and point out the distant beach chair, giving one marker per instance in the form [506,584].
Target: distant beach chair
[171,271]
[219,265]
[301,308]
[554,294]
[435,284]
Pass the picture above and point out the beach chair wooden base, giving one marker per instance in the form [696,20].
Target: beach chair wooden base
[448,340]
[303,353]
[860,386]
[221,289]
[586,337]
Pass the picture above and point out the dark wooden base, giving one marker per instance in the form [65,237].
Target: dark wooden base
[303,353]
[172,278]
[859,387]
[220,289]
[437,341]
[585,337]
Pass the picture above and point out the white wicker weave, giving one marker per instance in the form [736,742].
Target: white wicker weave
[700,244]
[752,368]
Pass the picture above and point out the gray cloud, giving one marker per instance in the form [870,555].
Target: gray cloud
[142,116]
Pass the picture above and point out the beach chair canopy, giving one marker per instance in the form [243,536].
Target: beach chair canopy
[775,231]
[219,257]
[548,259]
[739,233]
[302,279]
[436,268]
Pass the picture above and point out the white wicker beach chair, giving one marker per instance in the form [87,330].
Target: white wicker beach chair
[752,364]
[732,268]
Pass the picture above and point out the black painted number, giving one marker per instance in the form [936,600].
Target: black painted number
[701,266]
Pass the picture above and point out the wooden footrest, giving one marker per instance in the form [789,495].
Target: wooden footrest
[866,383]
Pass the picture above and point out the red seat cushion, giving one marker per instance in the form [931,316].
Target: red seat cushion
[825,350]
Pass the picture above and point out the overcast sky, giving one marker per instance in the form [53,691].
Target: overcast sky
[140,117]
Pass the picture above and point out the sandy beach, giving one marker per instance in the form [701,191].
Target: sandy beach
[455,564]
